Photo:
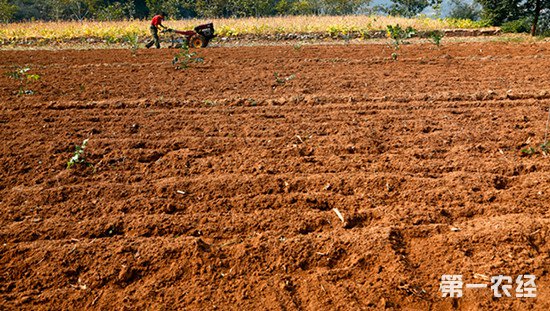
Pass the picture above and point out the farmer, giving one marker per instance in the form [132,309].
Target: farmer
[155,24]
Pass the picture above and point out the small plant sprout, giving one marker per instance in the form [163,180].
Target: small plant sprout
[133,41]
[184,58]
[282,80]
[435,37]
[22,75]
[78,156]
[398,35]
[528,151]
[547,125]
[545,147]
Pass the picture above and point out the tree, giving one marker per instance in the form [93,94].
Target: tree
[82,9]
[7,11]
[29,9]
[465,10]
[501,11]
[211,8]
[342,7]
[304,7]
[116,11]
[243,8]
[536,15]
[56,9]
[411,8]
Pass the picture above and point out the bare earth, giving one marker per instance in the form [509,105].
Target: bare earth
[421,156]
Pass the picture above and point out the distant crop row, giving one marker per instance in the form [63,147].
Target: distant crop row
[119,31]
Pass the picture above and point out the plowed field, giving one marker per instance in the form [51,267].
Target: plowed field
[215,187]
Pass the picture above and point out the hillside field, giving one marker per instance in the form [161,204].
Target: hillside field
[219,187]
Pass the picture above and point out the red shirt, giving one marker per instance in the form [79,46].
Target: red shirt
[157,20]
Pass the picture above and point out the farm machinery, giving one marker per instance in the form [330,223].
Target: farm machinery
[197,38]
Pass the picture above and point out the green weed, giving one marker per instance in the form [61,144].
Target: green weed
[22,75]
[545,148]
[78,156]
[528,151]
[184,58]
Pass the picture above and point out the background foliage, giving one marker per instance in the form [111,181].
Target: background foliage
[513,15]
[18,10]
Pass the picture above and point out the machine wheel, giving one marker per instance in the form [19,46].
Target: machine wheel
[198,41]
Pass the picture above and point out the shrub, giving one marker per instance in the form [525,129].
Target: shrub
[465,10]
[517,26]
[435,36]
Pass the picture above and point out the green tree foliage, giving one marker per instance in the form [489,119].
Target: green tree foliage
[258,8]
[126,9]
[304,7]
[174,8]
[239,8]
[499,12]
[79,9]
[465,10]
[116,11]
[410,8]
[7,11]
[57,9]
[341,7]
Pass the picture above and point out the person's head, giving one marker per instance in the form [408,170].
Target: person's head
[163,14]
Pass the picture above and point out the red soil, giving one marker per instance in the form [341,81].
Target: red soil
[420,155]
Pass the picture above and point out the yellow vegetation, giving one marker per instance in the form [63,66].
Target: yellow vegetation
[119,30]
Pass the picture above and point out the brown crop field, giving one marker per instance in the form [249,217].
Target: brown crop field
[219,187]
